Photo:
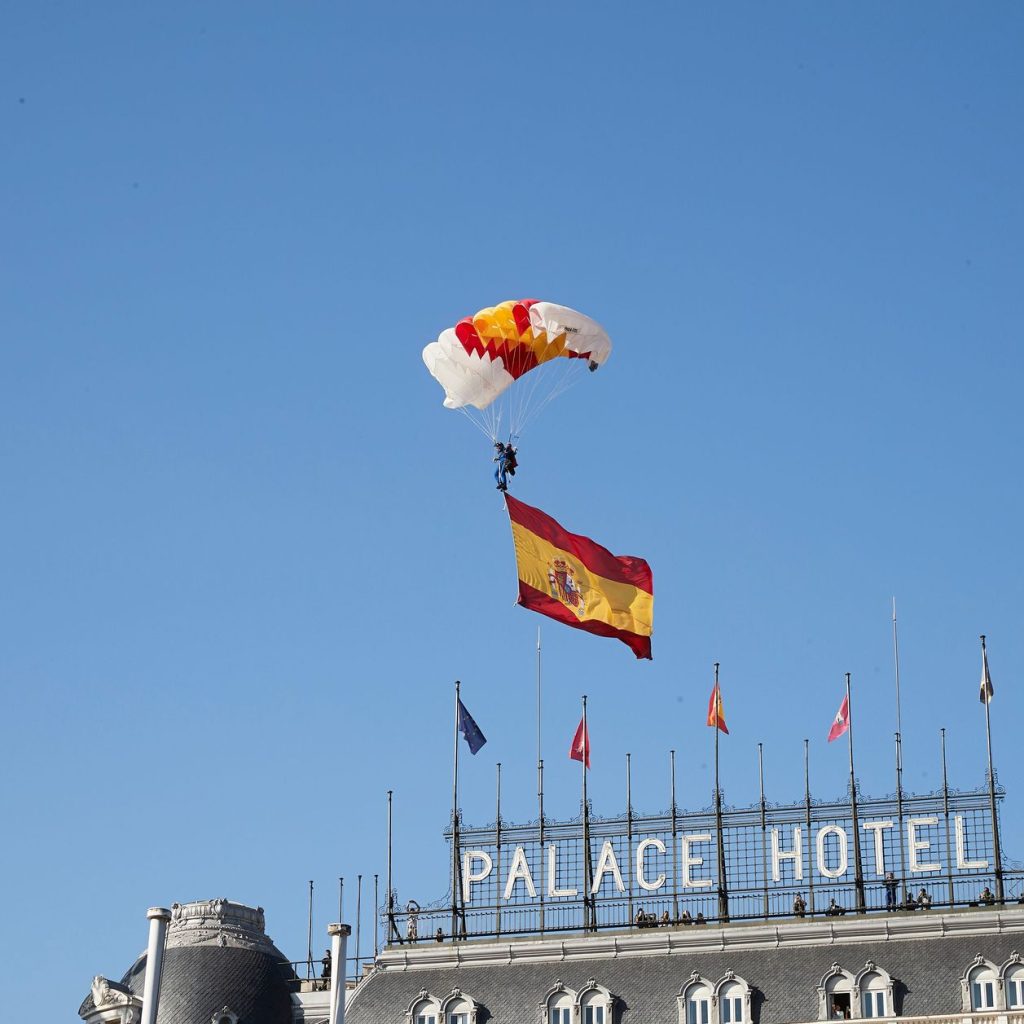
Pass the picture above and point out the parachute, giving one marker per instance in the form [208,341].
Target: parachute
[503,365]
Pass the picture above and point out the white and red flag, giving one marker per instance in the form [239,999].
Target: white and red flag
[987,690]
[842,720]
[580,749]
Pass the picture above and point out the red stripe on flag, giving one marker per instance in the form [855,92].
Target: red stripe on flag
[536,601]
[621,568]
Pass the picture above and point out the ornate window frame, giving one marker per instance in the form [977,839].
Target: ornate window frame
[696,980]
[424,1002]
[593,994]
[836,979]
[1012,966]
[863,975]
[561,992]
[730,978]
[978,966]
[113,1003]
[450,1004]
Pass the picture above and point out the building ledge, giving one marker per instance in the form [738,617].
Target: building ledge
[856,928]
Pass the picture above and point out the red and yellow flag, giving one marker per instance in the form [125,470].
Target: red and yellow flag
[716,713]
[576,581]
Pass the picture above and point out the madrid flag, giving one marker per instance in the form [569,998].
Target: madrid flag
[580,749]
[842,720]
[576,581]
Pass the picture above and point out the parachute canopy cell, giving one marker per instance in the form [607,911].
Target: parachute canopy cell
[482,356]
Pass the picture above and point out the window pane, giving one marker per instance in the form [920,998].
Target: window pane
[691,1012]
[726,1011]
[737,1010]
[599,1014]
[1013,994]
[703,1011]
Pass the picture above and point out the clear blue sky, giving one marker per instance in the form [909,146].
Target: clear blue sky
[244,551]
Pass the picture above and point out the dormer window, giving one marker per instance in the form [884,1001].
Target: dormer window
[983,986]
[696,999]
[458,1009]
[425,1010]
[595,1004]
[425,1015]
[1013,982]
[727,1002]
[557,1005]
[835,995]
[872,996]
[730,1003]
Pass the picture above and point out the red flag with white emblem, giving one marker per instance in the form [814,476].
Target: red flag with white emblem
[580,749]
[842,720]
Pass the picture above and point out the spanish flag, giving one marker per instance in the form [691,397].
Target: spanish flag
[570,578]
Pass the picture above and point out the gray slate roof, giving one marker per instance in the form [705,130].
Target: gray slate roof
[198,981]
[926,975]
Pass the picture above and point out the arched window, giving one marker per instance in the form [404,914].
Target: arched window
[425,1010]
[696,1001]
[732,1003]
[458,1009]
[980,985]
[557,1005]
[835,995]
[873,1001]
[1013,982]
[595,1002]
[873,993]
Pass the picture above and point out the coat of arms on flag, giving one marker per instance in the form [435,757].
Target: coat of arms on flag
[575,580]
[563,586]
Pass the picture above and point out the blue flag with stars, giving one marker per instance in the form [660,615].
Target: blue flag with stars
[474,737]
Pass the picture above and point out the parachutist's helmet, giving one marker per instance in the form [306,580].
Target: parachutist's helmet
[498,445]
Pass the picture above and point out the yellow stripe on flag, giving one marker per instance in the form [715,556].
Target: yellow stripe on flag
[619,605]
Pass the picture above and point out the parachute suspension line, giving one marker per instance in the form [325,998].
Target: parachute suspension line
[559,380]
[476,419]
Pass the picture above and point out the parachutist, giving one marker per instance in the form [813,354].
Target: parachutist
[506,460]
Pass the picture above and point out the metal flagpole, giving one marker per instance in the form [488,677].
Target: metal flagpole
[899,751]
[997,853]
[588,867]
[359,920]
[539,755]
[376,916]
[629,839]
[807,808]
[723,888]
[456,852]
[393,932]
[858,871]
[540,804]
[764,826]
[497,852]
[675,841]
[540,793]
[309,936]
[945,811]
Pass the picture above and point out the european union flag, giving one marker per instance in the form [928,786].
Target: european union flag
[474,737]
